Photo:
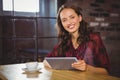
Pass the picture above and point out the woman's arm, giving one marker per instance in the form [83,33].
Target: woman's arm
[81,65]
[101,58]
[97,70]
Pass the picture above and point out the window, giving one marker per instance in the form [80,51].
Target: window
[7,5]
[21,5]
[29,8]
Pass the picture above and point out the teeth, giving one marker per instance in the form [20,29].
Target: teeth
[70,27]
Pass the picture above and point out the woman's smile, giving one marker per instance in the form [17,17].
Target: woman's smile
[72,26]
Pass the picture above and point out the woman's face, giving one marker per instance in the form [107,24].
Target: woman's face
[70,20]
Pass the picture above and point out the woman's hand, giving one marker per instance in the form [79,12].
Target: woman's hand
[80,65]
[46,64]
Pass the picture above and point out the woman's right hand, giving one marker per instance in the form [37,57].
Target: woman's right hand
[46,64]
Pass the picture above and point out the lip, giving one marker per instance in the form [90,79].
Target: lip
[71,26]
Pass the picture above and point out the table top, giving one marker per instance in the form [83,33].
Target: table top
[15,72]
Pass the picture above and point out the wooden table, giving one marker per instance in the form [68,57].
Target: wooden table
[15,72]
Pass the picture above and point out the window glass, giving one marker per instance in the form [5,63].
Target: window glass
[21,5]
[30,8]
[7,5]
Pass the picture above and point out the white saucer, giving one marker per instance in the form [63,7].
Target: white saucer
[25,69]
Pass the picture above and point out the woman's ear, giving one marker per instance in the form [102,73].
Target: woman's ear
[80,18]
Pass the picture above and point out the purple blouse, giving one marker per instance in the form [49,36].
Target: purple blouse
[93,52]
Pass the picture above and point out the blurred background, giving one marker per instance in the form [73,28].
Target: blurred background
[27,28]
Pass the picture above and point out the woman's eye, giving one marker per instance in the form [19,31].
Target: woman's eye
[72,17]
[63,20]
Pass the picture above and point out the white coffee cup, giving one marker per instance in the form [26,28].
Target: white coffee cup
[32,66]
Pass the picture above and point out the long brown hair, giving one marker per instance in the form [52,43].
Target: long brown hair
[64,36]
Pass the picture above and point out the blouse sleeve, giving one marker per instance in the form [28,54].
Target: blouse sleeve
[100,54]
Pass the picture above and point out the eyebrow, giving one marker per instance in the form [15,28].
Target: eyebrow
[69,16]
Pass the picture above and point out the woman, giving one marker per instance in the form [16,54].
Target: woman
[76,41]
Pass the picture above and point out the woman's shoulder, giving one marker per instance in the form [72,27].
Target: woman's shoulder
[95,36]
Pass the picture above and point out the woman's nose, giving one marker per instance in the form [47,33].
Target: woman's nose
[68,22]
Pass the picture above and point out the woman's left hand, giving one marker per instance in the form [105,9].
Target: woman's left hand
[80,65]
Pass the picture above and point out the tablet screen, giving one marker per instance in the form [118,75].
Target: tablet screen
[61,62]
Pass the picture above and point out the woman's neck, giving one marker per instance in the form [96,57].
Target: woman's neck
[75,35]
[74,40]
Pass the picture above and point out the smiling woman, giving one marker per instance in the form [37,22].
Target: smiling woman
[75,40]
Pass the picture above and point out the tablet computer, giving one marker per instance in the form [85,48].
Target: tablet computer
[61,62]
